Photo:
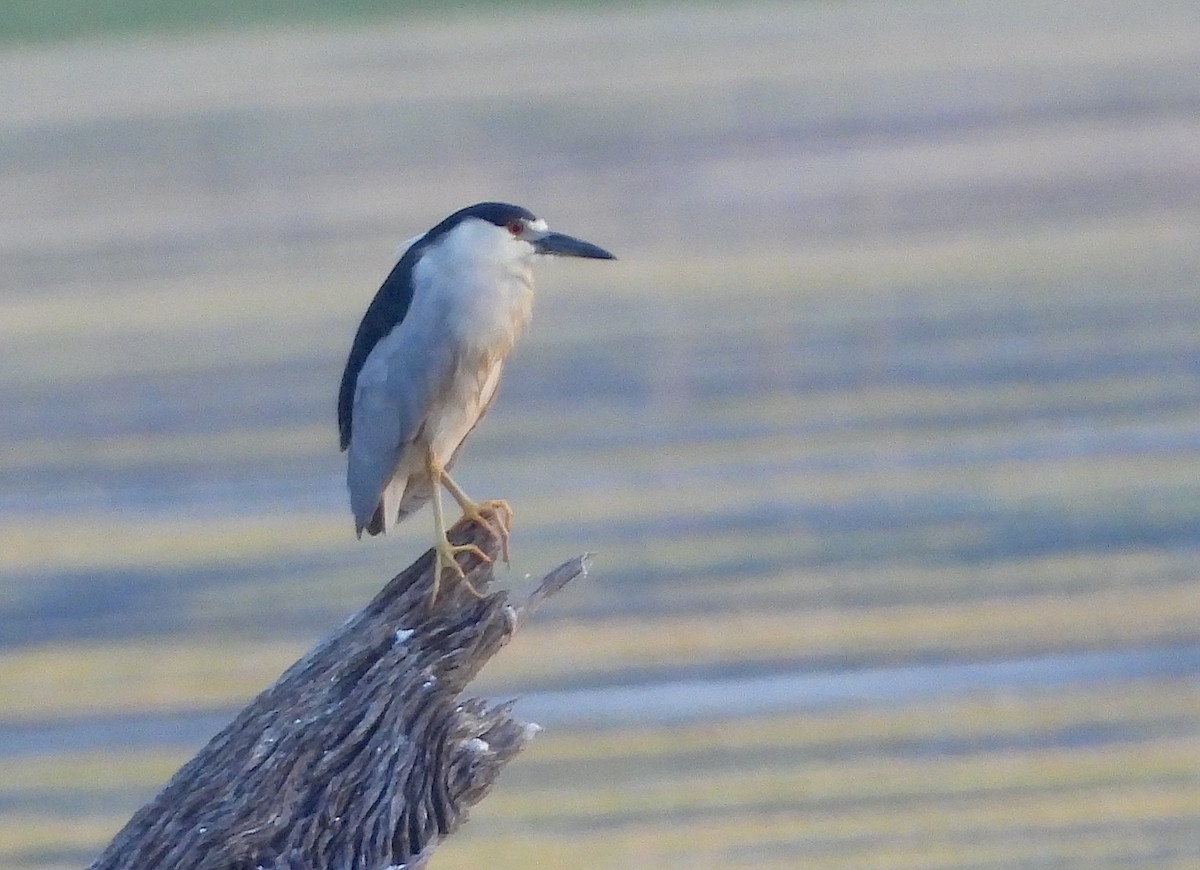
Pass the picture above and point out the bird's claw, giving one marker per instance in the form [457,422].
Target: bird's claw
[495,515]
[444,553]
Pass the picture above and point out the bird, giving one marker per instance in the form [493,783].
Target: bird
[426,361]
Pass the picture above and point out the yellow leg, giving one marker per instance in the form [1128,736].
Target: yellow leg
[444,551]
[494,515]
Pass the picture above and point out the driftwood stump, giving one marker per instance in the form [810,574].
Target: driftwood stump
[362,755]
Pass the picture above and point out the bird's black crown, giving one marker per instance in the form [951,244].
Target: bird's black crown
[499,213]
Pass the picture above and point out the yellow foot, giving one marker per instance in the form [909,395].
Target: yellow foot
[494,515]
[444,553]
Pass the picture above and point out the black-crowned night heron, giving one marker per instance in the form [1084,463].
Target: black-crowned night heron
[426,362]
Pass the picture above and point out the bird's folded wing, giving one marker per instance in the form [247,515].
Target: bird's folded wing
[393,397]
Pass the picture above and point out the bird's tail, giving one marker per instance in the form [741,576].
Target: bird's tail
[375,525]
[399,499]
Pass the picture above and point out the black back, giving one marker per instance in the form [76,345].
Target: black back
[394,297]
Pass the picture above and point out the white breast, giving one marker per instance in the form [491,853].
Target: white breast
[480,283]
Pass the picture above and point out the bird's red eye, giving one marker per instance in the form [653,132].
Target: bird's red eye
[516,227]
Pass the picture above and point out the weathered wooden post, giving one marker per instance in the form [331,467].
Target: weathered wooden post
[362,756]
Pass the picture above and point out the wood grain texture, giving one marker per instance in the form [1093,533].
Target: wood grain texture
[362,755]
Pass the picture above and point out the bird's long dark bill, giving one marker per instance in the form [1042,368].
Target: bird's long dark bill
[560,245]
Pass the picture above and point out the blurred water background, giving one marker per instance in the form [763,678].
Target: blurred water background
[884,427]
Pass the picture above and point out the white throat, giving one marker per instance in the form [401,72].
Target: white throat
[480,279]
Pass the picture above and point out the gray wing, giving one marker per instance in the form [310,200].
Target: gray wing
[396,388]
[386,311]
